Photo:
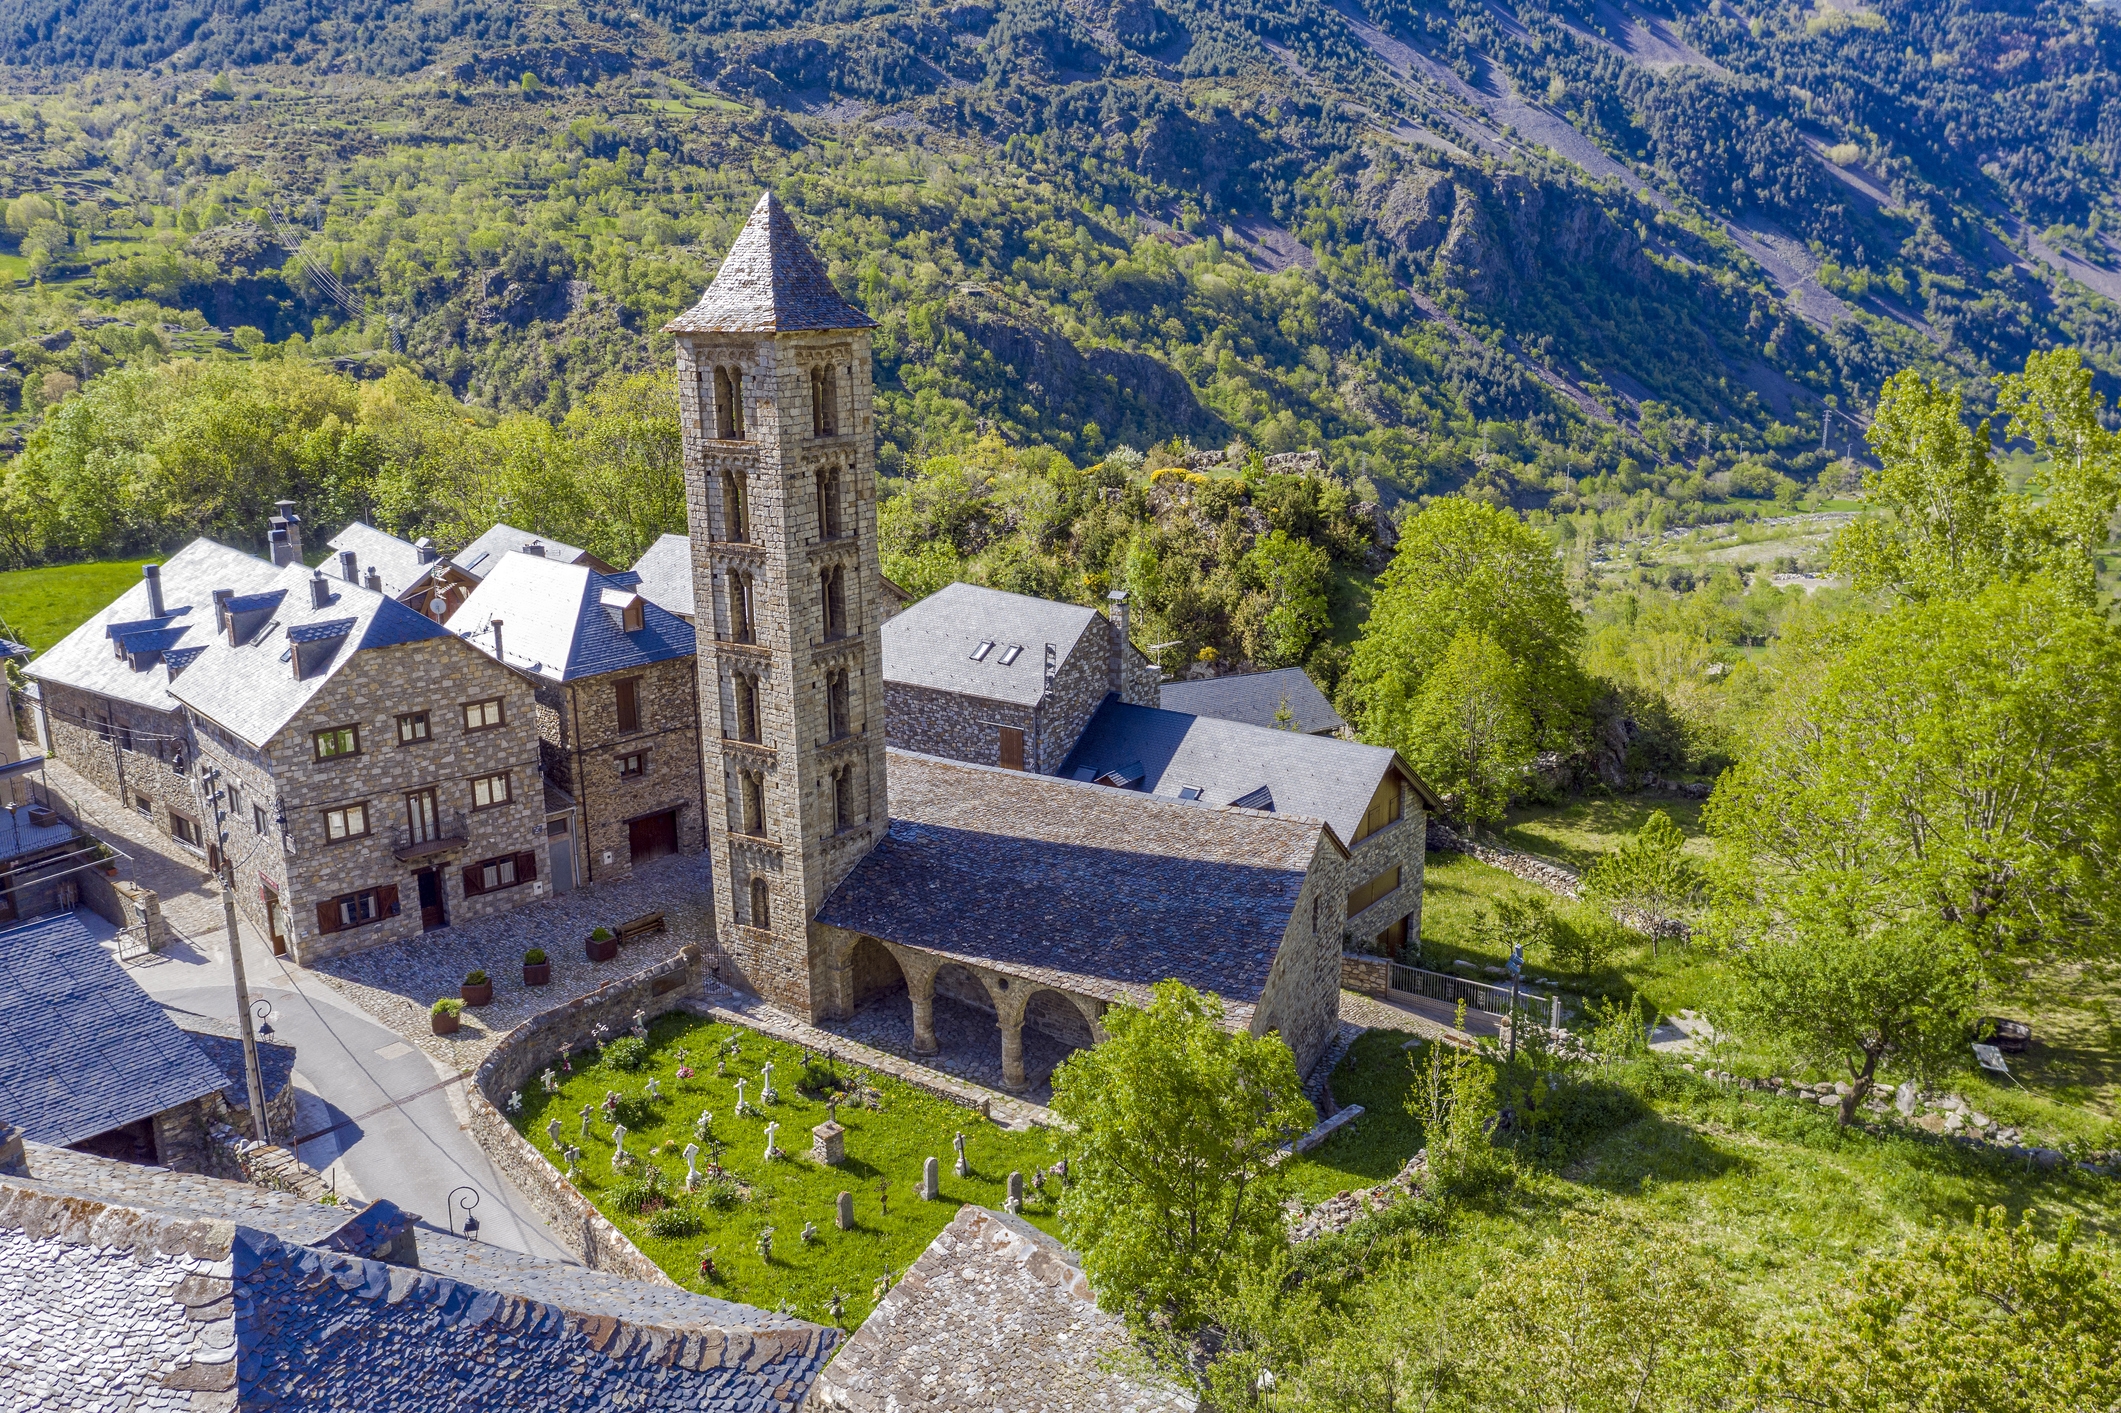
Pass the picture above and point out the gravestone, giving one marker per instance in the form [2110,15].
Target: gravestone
[767,1093]
[931,1181]
[828,1144]
[773,1150]
[964,1169]
[846,1211]
[692,1172]
[1015,1203]
[618,1147]
[553,1131]
[587,1110]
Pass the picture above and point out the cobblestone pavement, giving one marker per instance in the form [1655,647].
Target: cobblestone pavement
[191,902]
[740,1008]
[970,1041]
[397,984]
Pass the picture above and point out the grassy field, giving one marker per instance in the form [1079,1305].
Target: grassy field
[885,1145]
[38,607]
[1576,833]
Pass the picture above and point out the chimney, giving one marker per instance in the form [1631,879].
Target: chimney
[1118,673]
[536,547]
[280,546]
[293,522]
[496,625]
[152,573]
[221,598]
[348,568]
[372,579]
[426,550]
[319,590]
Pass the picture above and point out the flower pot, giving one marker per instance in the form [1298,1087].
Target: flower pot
[445,1025]
[602,951]
[477,995]
[537,973]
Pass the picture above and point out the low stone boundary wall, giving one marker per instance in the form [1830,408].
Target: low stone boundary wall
[1365,972]
[1564,882]
[531,1047]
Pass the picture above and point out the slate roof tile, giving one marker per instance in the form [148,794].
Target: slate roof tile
[1254,698]
[554,622]
[770,282]
[931,643]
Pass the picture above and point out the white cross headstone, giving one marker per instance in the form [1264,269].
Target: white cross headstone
[515,1101]
[550,1080]
[692,1172]
[767,1093]
[655,1090]
[640,1024]
[771,1148]
[587,1110]
[741,1106]
[574,1162]
[618,1147]
[809,1232]
[553,1131]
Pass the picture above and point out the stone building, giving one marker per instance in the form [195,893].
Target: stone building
[1001,679]
[381,774]
[664,572]
[105,705]
[434,584]
[617,689]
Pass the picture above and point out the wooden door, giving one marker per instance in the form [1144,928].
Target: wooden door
[432,914]
[1012,748]
[653,835]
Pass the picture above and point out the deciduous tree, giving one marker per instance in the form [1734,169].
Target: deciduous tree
[1470,732]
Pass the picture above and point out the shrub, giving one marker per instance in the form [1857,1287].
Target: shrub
[720,1193]
[675,1219]
[602,934]
[646,1190]
[447,1006]
[628,1052]
[475,978]
[535,957]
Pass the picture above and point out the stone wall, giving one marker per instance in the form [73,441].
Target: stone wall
[1365,972]
[669,736]
[91,733]
[1404,844]
[515,1063]
[1301,998]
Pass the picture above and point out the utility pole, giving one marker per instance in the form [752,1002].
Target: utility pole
[216,798]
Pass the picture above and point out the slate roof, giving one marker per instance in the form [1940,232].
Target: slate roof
[396,560]
[665,574]
[770,282]
[83,1049]
[85,658]
[1255,697]
[481,556]
[931,643]
[994,1314]
[1106,889]
[554,624]
[19,838]
[1318,777]
[251,688]
[222,1042]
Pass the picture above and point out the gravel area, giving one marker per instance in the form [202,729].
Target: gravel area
[970,1041]
[397,984]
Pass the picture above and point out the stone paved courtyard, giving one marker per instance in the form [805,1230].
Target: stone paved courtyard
[397,984]
[970,1040]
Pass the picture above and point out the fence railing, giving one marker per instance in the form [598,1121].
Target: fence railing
[1480,995]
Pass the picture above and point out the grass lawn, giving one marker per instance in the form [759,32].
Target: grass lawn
[1578,832]
[1767,1189]
[886,1144]
[38,607]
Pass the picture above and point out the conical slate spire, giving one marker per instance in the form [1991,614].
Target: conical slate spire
[770,282]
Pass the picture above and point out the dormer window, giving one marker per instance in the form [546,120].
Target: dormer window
[1010,654]
[1189,792]
[979,654]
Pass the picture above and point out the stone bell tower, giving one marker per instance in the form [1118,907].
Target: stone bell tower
[780,493]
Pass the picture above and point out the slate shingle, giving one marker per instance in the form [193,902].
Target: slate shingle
[770,282]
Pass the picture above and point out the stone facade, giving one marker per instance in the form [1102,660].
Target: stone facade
[585,753]
[967,728]
[789,654]
[297,869]
[134,754]
[1402,844]
[1301,999]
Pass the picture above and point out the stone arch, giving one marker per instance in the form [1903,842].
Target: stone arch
[966,986]
[761,902]
[1055,1014]
[874,971]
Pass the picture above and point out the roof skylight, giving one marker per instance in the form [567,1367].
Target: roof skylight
[979,654]
[1189,792]
[1009,654]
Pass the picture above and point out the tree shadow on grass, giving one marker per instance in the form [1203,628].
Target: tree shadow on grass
[1653,1149]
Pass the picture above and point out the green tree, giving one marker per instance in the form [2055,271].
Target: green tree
[1836,990]
[1985,1316]
[1960,765]
[1176,1118]
[2052,405]
[1940,489]
[1465,565]
[1470,732]
[1290,575]
[1648,874]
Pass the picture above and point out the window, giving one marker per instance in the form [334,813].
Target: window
[979,654]
[627,695]
[482,716]
[634,766]
[143,804]
[1376,888]
[832,588]
[355,909]
[837,725]
[761,914]
[747,707]
[1190,792]
[492,875]
[420,817]
[828,502]
[824,403]
[729,404]
[741,627]
[235,799]
[412,728]
[335,741]
[1010,654]
[843,798]
[1384,810]
[736,520]
[489,790]
[186,830]
[346,822]
[257,818]
[751,791]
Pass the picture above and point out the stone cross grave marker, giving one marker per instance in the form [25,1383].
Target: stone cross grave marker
[553,1131]
[772,1149]
[692,1172]
[964,1169]
[767,1093]
[618,1146]
[655,1087]
[587,1111]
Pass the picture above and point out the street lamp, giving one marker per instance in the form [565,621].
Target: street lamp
[469,1200]
[262,1009]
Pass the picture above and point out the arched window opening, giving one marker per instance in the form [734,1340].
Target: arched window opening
[747,708]
[752,788]
[837,726]
[761,913]
[832,587]
[743,627]
[736,513]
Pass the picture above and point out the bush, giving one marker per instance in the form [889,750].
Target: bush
[475,978]
[602,934]
[675,1219]
[628,1052]
[447,1006]
[535,957]
[649,1188]
[720,1193]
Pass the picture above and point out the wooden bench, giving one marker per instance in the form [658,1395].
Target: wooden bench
[646,925]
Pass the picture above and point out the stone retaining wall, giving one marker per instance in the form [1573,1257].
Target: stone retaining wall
[1365,972]
[518,1058]
[1565,882]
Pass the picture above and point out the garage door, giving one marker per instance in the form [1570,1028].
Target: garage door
[653,835]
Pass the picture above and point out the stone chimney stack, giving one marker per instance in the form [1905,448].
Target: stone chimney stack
[221,598]
[1117,675]
[372,579]
[152,574]
[535,547]
[280,545]
[319,590]
[293,522]
[497,657]
[349,568]
[426,550]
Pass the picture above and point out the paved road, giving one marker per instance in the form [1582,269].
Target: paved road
[382,1115]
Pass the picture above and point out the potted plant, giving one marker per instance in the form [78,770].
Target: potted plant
[478,989]
[537,967]
[444,1014]
[602,945]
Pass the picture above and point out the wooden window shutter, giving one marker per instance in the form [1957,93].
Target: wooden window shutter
[526,866]
[629,704]
[328,915]
[387,900]
[473,881]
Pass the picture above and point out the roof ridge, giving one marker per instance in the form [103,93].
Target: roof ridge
[771,281]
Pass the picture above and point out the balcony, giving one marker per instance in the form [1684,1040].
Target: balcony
[451,832]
